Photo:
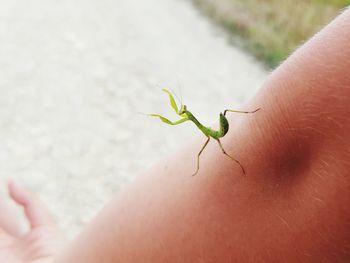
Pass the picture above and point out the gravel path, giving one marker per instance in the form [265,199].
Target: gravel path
[75,74]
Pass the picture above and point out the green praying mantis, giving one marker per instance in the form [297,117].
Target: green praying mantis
[208,132]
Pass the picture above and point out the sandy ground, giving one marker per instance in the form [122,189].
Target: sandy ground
[74,77]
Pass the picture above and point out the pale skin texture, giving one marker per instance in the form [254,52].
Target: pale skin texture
[291,206]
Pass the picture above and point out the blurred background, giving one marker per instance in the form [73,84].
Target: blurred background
[272,29]
[75,76]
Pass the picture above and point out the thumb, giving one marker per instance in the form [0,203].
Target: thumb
[9,222]
[34,209]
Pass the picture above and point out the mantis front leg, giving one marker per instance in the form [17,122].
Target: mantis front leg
[172,101]
[167,121]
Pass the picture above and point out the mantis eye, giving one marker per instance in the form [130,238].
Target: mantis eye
[183,109]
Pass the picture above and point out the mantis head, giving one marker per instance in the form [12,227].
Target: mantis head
[183,109]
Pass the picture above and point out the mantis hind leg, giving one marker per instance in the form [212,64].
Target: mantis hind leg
[204,145]
[233,159]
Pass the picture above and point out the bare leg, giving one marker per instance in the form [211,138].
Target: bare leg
[205,144]
[224,152]
[239,111]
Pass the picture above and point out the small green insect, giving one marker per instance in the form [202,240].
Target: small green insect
[208,132]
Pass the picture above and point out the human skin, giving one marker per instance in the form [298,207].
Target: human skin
[291,206]
[40,243]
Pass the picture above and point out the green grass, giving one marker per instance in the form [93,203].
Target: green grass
[272,28]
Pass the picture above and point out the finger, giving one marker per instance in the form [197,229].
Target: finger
[9,222]
[35,211]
